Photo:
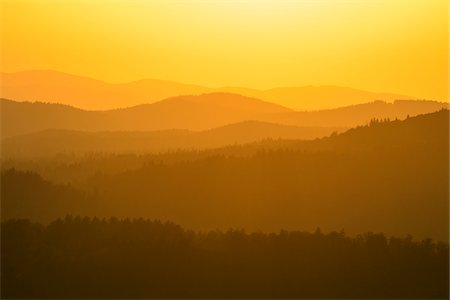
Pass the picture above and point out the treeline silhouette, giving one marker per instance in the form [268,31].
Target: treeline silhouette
[390,176]
[47,143]
[428,131]
[85,257]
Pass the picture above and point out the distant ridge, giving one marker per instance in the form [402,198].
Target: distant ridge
[195,113]
[393,174]
[182,112]
[87,93]
[359,114]
[59,141]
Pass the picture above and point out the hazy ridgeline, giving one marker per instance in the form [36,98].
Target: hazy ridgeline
[206,113]
[97,258]
[197,149]
[90,93]
[389,176]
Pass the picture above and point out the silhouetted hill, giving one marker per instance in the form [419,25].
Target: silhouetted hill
[422,130]
[58,87]
[351,116]
[93,258]
[253,131]
[194,113]
[233,102]
[26,117]
[387,176]
[26,194]
[57,141]
[52,86]
[183,112]
[425,130]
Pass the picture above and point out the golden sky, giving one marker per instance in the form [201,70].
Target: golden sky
[396,46]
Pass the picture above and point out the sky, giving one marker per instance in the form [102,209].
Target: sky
[398,46]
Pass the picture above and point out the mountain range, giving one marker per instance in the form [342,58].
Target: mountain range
[92,94]
[196,113]
[58,141]
[389,176]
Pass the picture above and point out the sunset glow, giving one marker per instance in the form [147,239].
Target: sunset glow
[224,149]
[379,45]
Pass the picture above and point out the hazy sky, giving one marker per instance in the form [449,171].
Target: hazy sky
[380,45]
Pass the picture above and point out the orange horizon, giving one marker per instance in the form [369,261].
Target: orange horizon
[96,94]
[383,45]
[219,86]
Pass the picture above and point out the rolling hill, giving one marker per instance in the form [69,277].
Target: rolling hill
[388,176]
[196,113]
[182,112]
[360,114]
[57,141]
[92,94]
[58,87]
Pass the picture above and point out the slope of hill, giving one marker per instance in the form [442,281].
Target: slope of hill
[52,86]
[57,141]
[355,115]
[26,117]
[183,112]
[194,113]
[27,195]
[421,131]
[389,176]
[87,93]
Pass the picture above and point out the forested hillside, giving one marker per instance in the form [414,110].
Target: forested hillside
[198,113]
[389,176]
[110,258]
